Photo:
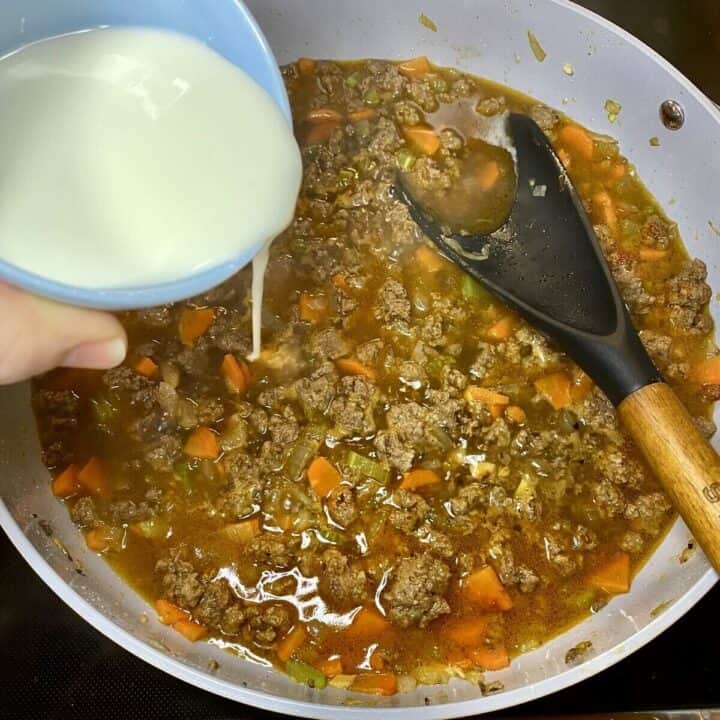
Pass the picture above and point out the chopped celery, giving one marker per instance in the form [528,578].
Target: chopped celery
[304,449]
[103,410]
[331,535]
[182,471]
[405,158]
[303,673]
[435,365]
[472,290]
[366,466]
[582,600]
[372,97]
[352,80]
[152,528]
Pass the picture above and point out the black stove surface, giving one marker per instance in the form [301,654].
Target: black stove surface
[54,665]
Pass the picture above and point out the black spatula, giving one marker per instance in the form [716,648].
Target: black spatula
[546,262]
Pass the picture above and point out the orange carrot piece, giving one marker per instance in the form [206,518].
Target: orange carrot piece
[285,521]
[242,532]
[423,137]
[92,477]
[565,159]
[368,623]
[707,372]
[147,367]
[555,388]
[491,658]
[577,140]
[653,254]
[614,575]
[313,308]
[484,588]
[169,613]
[420,477]
[485,396]
[66,483]
[306,66]
[605,208]
[320,115]
[502,329]
[97,539]
[323,476]
[466,633]
[352,366]
[362,114]
[377,660]
[581,386]
[429,260]
[376,683]
[321,132]
[340,281]
[330,667]
[516,414]
[192,630]
[488,175]
[202,443]
[415,68]
[291,643]
[194,322]
[236,374]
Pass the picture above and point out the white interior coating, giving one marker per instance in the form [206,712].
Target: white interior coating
[482,37]
[131,157]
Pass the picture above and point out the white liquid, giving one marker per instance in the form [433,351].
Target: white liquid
[130,157]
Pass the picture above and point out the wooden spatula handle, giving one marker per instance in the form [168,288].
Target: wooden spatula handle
[681,458]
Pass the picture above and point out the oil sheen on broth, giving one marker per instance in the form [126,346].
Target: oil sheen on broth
[131,157]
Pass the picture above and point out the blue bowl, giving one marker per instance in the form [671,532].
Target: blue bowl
[224,25]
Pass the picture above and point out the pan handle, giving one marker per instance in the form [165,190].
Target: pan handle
[681,458]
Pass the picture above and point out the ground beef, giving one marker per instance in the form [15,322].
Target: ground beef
[558,553]
[315,393]
[209,410]
[687,295]
[284,429]
[341,506]
[243,492]
[511,573]
[470,497]
[656,232]
[344,584]
[215,600]
[407,113]
[545,117]
[631,287]
[272,551]
[353,409]
[58,412]
[492,105]
[651,507]
[83,513]
[705,425]
[137,388]
[329,343]
[632,542]
[230,332]
[233,619]
[157,317]
[414,595]
[163,453]
[485,360]
[392,305]
[194,361]
[369,352]
[180,581]
[409,511]
[128,511]
[609,499]
[272,623]
[391,448]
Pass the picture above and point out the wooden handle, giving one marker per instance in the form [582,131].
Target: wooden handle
[682,460]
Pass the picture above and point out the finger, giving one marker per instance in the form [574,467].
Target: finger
[38,334]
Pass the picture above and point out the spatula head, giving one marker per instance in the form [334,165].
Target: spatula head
[546,262]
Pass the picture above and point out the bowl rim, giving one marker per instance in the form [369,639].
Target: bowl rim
[452,709]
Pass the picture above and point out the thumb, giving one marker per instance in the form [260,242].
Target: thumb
[38,334]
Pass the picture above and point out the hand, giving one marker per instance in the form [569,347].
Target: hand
[38,334]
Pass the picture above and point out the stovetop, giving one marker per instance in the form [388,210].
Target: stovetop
[55,665]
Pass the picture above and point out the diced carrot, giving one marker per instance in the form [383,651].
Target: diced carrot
[66,483]
[306,66]
[420,477]
[491,658]
[368,623]
[242,532]
[565,159]
[485,396]
[320,115]
[653,254]
[555,388]
[285,521]
[169,613]
[502,329]
[614,575]
[605,208]
[415,68]
[707,372]
[577,141]
[321,132]
[330,667]
[352,366]
[147,367]
[313,308]
[194,322]
[377,660]
[202,443]
[516,414]
[92,477]
[97,539]
[236,374]
[488,175]
[466,633]
[323,476]
[423,137]
[192,630]
[377,683]
[581,386]
[340,281]
[291,643]
[362,114]
[429,260]
[484,588]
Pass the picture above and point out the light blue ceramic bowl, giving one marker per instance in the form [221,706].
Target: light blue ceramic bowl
[224,25]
